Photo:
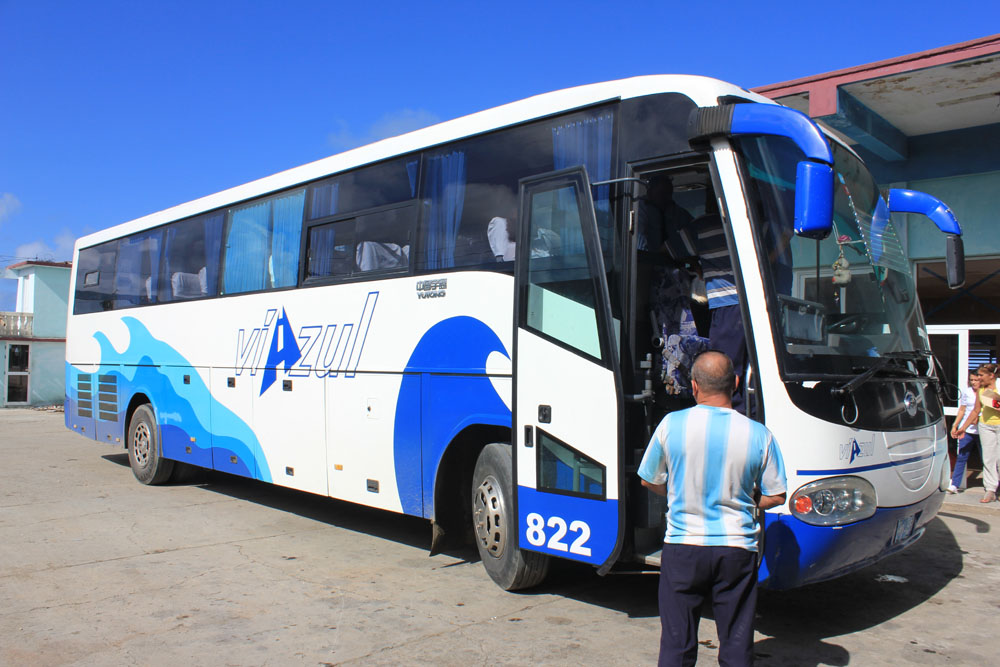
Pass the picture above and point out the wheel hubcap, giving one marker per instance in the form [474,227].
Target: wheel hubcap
[141,444]
[490,517]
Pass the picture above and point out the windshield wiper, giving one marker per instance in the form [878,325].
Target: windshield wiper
[882,364]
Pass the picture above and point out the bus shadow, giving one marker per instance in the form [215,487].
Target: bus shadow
[800,625]
[407,530]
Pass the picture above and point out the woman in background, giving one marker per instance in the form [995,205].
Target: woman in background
[987,410]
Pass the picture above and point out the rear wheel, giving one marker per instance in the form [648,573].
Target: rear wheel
[144,455]
[493,522]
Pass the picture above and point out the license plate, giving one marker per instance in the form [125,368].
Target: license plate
[904,528]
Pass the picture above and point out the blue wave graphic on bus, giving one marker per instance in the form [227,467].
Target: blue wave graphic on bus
[193,420]
[444,390]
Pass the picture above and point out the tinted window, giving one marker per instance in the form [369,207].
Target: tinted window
[191,258]
[262,244]
[371,187]
[374,241]
[560,299]
[137,269]
[563,469]
[95,278]
[470,188]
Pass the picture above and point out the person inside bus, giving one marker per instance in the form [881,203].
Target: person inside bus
[711,541]
[664,241]
[725,332]
[500,233]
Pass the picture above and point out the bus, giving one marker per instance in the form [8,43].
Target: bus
[477,323]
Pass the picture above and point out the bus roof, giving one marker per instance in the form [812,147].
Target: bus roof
[703,91]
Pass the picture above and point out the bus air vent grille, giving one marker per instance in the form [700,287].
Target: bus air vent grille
[107,398]
[84,396]
[913,460]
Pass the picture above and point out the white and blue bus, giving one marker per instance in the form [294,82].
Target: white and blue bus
[469,323]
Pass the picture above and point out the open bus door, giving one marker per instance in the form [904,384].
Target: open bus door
[567,386]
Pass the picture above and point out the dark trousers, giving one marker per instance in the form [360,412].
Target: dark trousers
[726,335]
[692,575]
[968,443]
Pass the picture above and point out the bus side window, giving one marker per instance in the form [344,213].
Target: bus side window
[383,239]
[262,244]
[137,269]
[330,250]
[95,279]
[190,266]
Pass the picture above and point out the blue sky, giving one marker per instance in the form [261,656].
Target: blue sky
[112,110]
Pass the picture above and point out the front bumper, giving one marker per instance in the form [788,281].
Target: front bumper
[797,553]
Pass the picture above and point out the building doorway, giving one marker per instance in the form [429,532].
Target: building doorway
[17,365]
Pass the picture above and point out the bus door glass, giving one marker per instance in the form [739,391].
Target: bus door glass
[567,391]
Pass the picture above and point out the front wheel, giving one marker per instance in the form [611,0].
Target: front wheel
[144,454]
[493,521]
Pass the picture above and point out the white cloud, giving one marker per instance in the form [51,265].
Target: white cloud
[61,250]
[389,125]
[9,205]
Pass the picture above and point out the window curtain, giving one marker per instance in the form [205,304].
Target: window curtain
[246,248]
[446,191]
[321,246]
[323,200]
[213,247]
[586,142]
[286,237]
[412,168]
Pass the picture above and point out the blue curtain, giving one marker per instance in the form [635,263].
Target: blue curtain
[321,248]
[213,247]
[411,171]
[246,248]
[323,200]
[586,142]
[446,191]
[286,235]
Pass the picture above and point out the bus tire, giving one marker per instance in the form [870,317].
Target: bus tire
[494,527]
[144,454]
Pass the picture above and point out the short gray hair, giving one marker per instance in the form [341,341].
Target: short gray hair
[714,373]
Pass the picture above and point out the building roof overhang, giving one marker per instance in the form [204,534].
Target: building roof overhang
[881,105]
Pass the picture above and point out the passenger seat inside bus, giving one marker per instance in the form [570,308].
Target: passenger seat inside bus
[189,285]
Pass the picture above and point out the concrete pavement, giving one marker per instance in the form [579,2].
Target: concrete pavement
[96,569]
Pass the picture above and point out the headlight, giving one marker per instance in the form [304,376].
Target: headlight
[834,501]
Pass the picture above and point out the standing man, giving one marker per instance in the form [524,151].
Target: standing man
[715,467]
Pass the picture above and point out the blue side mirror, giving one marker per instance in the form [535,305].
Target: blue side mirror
[813,199]
[814,175]
[911,201]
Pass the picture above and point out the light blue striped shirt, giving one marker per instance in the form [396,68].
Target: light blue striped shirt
[717,268]
[711,459]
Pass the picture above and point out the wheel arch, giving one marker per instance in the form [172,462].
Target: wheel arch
[452,511]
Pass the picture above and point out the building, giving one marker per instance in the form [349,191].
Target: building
[33,338]
[930,122]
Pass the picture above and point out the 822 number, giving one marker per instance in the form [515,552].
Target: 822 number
[535,534]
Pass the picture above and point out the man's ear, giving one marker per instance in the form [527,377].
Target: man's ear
[736,383]
[695,390]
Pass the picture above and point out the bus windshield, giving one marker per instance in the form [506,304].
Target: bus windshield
[836,302]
